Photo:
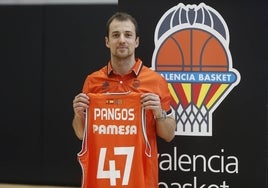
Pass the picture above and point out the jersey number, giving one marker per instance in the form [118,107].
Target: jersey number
[112,173]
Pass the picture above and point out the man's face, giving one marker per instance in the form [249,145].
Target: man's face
[122,39]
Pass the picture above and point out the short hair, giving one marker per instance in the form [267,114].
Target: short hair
[122,16]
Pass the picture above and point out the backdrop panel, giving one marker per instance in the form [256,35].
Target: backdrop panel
[46,53]
[234,155]
[21,93]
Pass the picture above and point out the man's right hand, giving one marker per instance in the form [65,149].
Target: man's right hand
[80,104]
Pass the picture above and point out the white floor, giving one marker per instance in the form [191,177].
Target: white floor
[30,186]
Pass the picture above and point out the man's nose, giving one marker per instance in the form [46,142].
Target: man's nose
[122,38]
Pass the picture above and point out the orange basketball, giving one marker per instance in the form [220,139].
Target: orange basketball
[191,50]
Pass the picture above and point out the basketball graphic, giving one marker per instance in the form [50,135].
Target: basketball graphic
[191,50]
[192,54]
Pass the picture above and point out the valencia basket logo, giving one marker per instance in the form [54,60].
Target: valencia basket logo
[192,53]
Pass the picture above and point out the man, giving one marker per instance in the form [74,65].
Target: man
[125,73]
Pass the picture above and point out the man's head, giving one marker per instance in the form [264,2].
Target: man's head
[121,37]
[122,16]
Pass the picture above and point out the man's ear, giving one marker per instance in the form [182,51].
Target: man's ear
[107,42]
[137,41]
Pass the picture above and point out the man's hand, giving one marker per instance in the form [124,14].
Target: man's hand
[80,104]
[151,101]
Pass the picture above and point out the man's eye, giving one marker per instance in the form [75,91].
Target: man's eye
[115,35]
[128,35]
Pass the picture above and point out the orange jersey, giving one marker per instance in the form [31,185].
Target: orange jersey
[140,79]
[115,151]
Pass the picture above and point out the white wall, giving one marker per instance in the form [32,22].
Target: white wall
[18,2]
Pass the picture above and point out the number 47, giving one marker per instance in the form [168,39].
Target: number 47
[112,173]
